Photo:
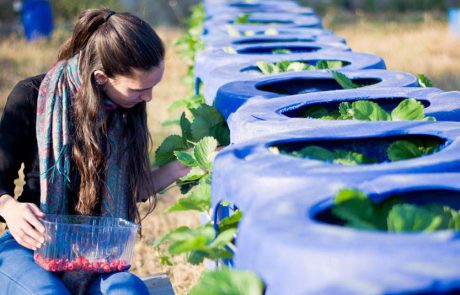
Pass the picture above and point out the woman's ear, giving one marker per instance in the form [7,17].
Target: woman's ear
[100,77]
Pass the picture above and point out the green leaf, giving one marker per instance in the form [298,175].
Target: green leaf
[234,282]
[179,233]
[353,207]
[316,112]
[198,200]
[403,150]
[194,174]
[232,32]
[329,64]
[197,257]
[423,81]
[343,80]
[165,152]
[186,127]
[407,217]
[369,111]
[224,238]
[315,153]
[166,260]
[205,118]
[186,158]
[242,18]
[230,222]
[344,157]
[408,109]
[221,133]
[281,51]
[297,67]
[230,50]
[205,151]
[267,68]
[346,110]
[186,186]
[271,32]
[249,33]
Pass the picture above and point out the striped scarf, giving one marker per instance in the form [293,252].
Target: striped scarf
[54,104]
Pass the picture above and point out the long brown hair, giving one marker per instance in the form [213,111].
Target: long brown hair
[116,43]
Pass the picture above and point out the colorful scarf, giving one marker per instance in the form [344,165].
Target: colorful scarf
[54,105]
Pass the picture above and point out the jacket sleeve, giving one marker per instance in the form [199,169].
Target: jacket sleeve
[16,130]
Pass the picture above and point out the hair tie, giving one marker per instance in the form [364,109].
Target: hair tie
[108,15]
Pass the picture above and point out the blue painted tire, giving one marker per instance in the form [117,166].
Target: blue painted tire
[240,68]
[219,11]
[37,18]
[259,30]
[233,95]
[264,117]
[208,60]
[252,163]
[275,19]
[222,42]
[212,7]
[296,254]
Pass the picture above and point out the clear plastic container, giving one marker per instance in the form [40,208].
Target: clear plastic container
[86,243]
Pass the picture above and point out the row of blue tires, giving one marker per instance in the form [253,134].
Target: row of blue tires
[285,235]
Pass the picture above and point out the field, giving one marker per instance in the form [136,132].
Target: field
[416,47]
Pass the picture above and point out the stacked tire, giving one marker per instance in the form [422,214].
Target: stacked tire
[285,235]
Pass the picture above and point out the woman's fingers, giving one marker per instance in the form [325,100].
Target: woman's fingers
[25,240]
[36,210]
[38,237]
[31,217]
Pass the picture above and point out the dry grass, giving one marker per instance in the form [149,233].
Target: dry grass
[424,47]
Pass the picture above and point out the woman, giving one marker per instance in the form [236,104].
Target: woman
[81,132]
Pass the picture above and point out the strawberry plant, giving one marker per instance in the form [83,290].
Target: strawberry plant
[364,110]
[397,151]
[232,32]
[423,81]
[226,281]
[295,66]
[245,18]
[356,210]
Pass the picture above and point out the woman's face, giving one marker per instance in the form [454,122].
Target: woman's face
[127,91]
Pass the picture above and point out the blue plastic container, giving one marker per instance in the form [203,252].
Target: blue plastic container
[253,168]
[37,18]
[260,118]
[308,256]
[243,68]
[454,20]
[233,95]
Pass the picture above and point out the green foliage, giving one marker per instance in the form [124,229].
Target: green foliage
[344,81]
[397,151]
[295,66]
[165,152]
[281,51]
[228,281]
[242,18]
[423,81]
[405,149]
[364,110]
[356,210]
[337,156]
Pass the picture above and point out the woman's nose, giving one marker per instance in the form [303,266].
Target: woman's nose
[147,96]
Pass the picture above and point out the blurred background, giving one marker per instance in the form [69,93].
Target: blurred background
[410,35]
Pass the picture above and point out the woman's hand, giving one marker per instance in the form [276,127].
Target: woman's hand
[22,221]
